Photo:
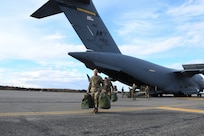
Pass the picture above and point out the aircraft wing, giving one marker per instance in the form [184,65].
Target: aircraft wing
[192,69]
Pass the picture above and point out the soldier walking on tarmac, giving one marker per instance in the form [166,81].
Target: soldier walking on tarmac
[122,91]
[108,86]
[147,88]
[133,91]
[95,87]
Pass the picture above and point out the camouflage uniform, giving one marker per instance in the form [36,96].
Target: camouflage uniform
[134,86]
[122,91]
[147,88]
[95,86]
[107,86]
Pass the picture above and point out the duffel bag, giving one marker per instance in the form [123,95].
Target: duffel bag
[114,97]
[104,101]
[87,101]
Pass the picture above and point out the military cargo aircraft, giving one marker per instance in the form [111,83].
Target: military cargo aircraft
[102,53]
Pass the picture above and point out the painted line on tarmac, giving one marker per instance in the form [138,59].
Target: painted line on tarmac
[42,113]
[182,110]
[191,98]
[86,111]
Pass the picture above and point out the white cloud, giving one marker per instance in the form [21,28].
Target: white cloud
[25,38]
[159,30]
[136,23]
[188,9]
[146,48]
[147,30]
[56,36]
[188,19]
[178,65]
[19,43]
[45,77]
[193,33]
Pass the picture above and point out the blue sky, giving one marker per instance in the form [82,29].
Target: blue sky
[33,53]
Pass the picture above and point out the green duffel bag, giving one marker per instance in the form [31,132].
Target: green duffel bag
[87,101]
[114,97]
[104,101]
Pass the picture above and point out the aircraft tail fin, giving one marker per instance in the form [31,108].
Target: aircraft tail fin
[85,20]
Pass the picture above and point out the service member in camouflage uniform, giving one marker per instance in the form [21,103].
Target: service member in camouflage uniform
[133,91]
[147,88]
[95,87]
[107,86]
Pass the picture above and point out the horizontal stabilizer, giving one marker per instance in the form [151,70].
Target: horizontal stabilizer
[48,9]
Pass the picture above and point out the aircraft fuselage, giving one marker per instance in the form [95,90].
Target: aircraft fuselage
[131,70]
[105,55]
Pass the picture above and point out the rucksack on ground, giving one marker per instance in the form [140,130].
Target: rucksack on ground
[114,97]
[104,101]
[87,101]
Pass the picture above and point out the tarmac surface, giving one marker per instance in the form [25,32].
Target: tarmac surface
[24,113]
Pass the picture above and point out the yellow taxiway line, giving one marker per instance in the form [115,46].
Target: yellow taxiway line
[42,113]
[85,111]
[182,110]
[7,114]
